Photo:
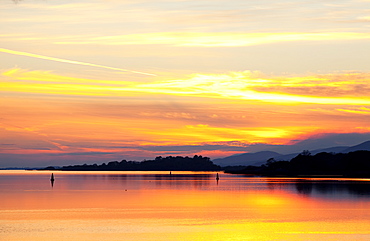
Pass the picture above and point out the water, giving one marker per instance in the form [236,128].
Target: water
[181,206]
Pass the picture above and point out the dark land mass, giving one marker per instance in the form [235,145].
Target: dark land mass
[324,164]
[170,163]
[352,164]
[259,158]
[256,158]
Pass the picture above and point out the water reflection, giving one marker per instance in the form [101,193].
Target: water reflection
[152,180]
[335,188]
[324,187]
[180,206]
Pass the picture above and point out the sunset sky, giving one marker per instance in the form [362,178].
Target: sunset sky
[101,80]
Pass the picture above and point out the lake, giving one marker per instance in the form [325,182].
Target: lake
[181,206]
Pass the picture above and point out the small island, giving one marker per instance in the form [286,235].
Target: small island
[169,163]
[352,164]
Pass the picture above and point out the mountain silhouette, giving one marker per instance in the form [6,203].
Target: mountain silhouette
[259,158]
[256,158]
[365,146]
[351,164]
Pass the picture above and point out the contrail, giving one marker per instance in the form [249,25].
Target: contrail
[8,51]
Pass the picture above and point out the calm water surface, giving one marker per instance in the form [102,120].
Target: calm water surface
[181,206]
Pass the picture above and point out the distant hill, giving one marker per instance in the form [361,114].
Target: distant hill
[336,149]
[259,158]
[351,164]
[365,146]
[246,159]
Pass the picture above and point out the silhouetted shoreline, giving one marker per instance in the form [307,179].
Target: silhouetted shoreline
[335,165]
[352,164]
[170,163]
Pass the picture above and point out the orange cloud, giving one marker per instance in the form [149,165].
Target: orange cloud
[60,114]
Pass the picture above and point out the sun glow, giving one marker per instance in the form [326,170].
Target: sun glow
[88,116]
[236,86]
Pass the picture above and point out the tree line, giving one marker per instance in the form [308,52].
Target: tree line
[169,163]
[352,164]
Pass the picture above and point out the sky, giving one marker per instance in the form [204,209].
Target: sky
[100,80]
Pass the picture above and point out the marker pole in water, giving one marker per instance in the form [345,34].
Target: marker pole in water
[52,179]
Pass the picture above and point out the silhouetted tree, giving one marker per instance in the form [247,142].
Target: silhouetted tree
[353,164]
[169,163]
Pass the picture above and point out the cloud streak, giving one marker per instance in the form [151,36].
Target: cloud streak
[231,86]
[8,51]
[66,115]
[217,39]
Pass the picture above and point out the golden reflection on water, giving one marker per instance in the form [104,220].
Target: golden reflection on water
[181,206]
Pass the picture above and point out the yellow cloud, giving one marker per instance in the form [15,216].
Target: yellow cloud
[220,39]
[233,86]
[47,77]
[244,86]
[206,133]
[239,112]
[363,111]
